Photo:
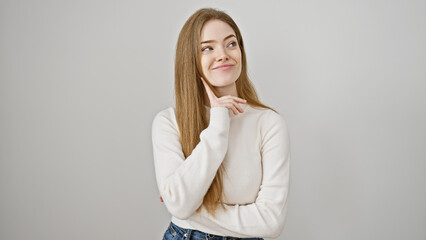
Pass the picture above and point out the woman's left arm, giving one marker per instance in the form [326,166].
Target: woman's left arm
[266,216]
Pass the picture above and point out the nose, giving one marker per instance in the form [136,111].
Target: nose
[222,55]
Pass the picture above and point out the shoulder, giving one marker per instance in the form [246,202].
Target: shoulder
[269,121]
[165,113]
[164,118]
[273,130]
[267,116]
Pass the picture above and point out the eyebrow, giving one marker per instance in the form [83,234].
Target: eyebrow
[209,41]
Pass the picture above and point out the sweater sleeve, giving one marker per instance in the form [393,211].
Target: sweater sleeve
[182,182]
[266,216]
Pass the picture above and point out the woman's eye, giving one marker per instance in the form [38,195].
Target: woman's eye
[232,44]
[205,48]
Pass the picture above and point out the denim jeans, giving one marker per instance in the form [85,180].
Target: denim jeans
[175,232]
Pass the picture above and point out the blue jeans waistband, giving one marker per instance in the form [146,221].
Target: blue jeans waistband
[191,234]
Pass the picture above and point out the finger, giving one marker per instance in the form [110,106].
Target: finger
[234,98]
[234,104]
[234,109]
[239,108]
[240,100]
[209,91]
[231,107]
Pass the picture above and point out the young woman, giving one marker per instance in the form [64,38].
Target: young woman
[222,158]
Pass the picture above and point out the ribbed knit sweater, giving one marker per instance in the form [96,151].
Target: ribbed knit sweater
[253,146]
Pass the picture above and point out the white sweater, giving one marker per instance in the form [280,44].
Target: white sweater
[254,147]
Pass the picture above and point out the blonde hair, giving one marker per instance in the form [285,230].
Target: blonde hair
[189,91]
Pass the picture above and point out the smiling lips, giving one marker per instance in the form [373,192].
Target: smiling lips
[224,66]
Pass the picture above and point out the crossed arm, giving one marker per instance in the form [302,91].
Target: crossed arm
[265,217]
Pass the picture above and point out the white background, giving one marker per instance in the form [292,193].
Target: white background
[82,80]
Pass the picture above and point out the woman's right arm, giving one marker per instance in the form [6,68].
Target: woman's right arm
[184,182]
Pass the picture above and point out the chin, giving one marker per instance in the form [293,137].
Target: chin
[221,82]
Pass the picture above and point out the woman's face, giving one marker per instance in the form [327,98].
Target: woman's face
[220,53]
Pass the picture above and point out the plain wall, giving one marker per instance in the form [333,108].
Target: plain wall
[82,80]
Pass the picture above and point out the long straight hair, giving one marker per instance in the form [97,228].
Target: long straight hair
[189,91]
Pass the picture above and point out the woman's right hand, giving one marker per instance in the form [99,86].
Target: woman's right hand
[228,101]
